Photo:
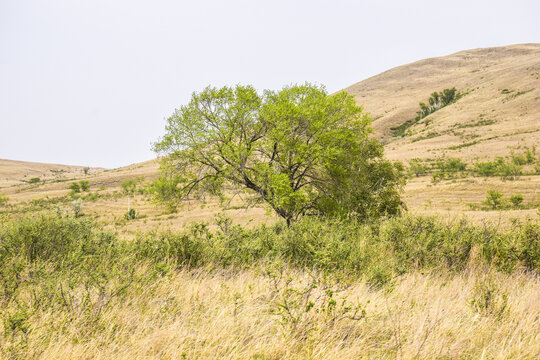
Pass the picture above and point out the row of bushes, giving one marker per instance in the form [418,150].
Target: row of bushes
[400,244]
[507,169]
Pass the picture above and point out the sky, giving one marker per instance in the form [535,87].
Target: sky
[92,82]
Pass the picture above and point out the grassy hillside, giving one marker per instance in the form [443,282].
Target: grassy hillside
[498,115]
[500,111]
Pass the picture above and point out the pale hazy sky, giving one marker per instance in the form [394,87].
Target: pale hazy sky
[91,82]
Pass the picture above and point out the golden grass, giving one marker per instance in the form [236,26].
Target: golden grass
[392,98]
[224,314]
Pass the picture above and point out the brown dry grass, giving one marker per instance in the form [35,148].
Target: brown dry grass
[209,314]
[392,98]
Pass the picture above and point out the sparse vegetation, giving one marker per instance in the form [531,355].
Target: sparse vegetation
[417,168]
[449,169]
[128,188]
[76,207]
[131,214]
[495,201]
[499,167]
[515,95]
[481,122]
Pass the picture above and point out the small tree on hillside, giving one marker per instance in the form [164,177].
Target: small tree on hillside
[75,187]
[84,185]
[299,150]
[494,198]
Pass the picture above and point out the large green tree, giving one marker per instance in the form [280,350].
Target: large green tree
[299,150]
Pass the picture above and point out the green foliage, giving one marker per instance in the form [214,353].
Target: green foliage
[516,199]
[449,169]
[417,167]
[530,155]
[452,165]
[76,272]
[128,187]
[300,150]
[165,190]
[75,187]
[84,185]
[494,198]
[50,262]
[131,214]
[498,167]
[34,180]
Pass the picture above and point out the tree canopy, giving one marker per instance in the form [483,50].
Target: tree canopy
[300,150]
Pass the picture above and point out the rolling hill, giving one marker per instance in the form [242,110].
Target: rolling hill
[501,108]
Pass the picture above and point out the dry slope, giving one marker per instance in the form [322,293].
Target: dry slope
[501,109]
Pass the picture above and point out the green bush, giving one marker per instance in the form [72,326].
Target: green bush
[84,185]
[449,169]
[417,168]
[131,214]
[516,199]
[498,167]
[75,187]
[34,180]
[494,198]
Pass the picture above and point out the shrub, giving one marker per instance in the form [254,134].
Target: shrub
[34,180]
[417,168]
[516,199]
[84,185]
[131,214]
[530,155]
[75,187]
[499,167]
[449,168]
[493,198]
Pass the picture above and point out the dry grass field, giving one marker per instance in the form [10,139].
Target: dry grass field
[230,315]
